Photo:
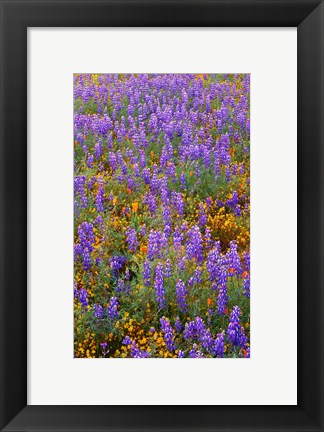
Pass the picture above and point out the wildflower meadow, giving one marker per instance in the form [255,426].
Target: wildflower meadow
[162,215]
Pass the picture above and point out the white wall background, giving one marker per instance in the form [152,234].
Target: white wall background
[270,376]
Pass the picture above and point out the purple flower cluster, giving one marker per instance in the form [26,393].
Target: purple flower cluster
[135,351]
[117,262]
[234,259]
[168,268]
[147,273]
[157,241]
[85,245]
[98,311]
[131,239]
[246,285]
[159,286]
[177,202]
[82,295]
[181,292]
[113,308]
[168,333]
[194,246]
[235,331]
[196,331]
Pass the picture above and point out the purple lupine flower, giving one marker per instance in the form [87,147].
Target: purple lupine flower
[235,331]
[202,215]
[137,353]
[167,216]
[190,331]
[247,261]
[209,202]
[147,273]
[79,190]
[131,239]
[113,308]
[208,239]
[98,311]
[246,285]
[195,353]
[178,325]
[177,239]
[83,297]
[77,250]
[177,202]
[183,181]
[167,230]
[146,175]
[168,333]
[121,286]
[196,278]
[98,220]
[90,160]
[207,340]
[213,262]
[200,327]
[222,300]
[181,264]
[159,286]
[153,247]
[143,230]
[127,340]
[181,354]
[86,235]
[117,262]
[150,201]
[100,198]
[98,150]
[157,241]
[194,244]
[234,259]
[219,346]
[86,259]
[181,292]
[168,268]
[196,330]
[105,351]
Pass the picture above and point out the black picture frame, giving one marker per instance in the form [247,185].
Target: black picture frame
[16,17]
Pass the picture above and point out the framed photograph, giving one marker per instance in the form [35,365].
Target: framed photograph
[163,268]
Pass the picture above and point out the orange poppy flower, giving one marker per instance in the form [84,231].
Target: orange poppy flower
[134,207]
[209,301]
